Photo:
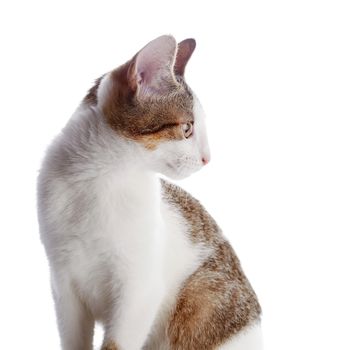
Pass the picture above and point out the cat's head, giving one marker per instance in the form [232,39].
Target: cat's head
[148,102]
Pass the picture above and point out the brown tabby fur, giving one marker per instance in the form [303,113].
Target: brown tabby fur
[217,300]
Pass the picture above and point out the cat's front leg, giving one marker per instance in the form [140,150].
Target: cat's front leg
[75,322]
[133,317]
[111,345]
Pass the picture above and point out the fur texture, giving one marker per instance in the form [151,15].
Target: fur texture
[138,254]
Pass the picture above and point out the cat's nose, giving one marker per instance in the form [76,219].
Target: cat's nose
[205,160]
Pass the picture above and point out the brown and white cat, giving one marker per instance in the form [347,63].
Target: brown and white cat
[129,250]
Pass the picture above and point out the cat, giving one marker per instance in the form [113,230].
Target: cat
[130,250]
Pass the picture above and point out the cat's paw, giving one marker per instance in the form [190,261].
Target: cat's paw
[110,346]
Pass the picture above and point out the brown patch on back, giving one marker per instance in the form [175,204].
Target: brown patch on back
[216,301]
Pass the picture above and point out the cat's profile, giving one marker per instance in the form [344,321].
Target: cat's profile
[129,250]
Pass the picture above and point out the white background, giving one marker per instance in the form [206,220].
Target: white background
[274,79]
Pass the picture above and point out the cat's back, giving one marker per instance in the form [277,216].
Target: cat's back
[202,228]
[217,292]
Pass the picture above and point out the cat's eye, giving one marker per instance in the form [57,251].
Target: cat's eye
[187,129]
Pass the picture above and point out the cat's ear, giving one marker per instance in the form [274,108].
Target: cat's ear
[151,71]
[184,52]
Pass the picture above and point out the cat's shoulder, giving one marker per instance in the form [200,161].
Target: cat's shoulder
[203,226]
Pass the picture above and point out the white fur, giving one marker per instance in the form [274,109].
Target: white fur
[117,252]
[247,339]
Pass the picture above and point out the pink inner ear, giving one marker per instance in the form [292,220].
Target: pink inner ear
[154,63]
[184,53]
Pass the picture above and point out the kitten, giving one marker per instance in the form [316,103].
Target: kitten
[136,253]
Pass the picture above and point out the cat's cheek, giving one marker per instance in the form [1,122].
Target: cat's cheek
[175,160]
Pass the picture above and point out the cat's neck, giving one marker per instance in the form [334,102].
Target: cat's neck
[134,192]
[91,156]
[97,151]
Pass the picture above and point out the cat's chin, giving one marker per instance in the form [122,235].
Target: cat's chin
[176,175]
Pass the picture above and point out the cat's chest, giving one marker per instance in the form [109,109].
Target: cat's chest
[141,233]
[127,225]
[127,205]
[133,236]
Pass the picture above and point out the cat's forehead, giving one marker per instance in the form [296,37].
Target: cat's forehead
[176,107]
